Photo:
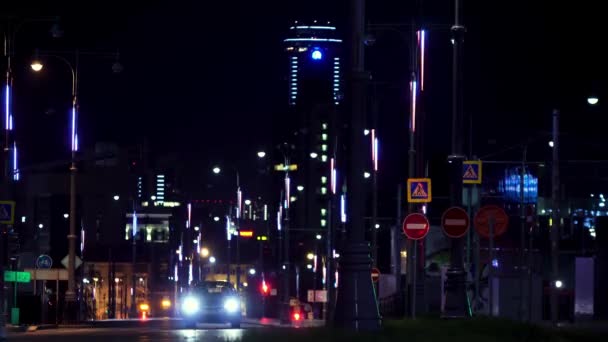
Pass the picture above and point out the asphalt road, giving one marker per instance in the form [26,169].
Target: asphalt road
[205,332]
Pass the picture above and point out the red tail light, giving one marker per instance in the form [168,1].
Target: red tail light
[297,316]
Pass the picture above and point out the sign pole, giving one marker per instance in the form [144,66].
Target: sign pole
[491,267]
[414,269]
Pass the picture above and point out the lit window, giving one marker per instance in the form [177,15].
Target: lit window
[323,223]
[324,125]
[324,136]
[323,211]
[323,190]
[323,158]
[323,180]
[324,148]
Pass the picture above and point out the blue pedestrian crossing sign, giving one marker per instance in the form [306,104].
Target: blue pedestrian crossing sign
[471,172]
[7,212]
[419,190]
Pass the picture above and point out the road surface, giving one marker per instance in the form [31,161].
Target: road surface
[208,333]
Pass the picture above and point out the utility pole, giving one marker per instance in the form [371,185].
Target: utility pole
[456,301]
[522,235]
[356,306]
[555,218]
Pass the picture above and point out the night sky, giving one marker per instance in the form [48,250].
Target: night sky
[205,81]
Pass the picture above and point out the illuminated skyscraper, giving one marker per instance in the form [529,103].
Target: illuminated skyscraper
[314,94]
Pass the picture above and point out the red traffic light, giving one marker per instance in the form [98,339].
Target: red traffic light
[265,288]
[297,316]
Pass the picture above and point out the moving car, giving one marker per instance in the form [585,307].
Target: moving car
[211,302]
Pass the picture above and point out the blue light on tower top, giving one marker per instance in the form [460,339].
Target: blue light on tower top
[316,55]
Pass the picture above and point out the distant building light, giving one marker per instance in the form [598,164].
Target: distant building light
[559,284]
[196,228]
[247,202]
[66,215]
[318,236]
[216,218]
[153,198]
[40,226]
[22,219]
[377,226]
[313,155]
[367,174]
[300,188]
[323,158]
[116,197]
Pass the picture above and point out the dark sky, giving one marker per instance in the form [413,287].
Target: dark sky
[206,79]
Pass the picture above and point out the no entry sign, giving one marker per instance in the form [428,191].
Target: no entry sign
[375,275]
[455,222]
[416,226]
[487,213]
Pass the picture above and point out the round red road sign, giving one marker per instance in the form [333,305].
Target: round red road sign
[375,275]
[482,221]
[455,222]
[416,226]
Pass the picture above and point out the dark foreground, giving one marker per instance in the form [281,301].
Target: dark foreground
[411,331]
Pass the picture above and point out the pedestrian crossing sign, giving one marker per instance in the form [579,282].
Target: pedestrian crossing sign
[419,190]
[471,172]
[7,212]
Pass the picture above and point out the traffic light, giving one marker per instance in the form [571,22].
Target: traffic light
[265,288]
[297,316]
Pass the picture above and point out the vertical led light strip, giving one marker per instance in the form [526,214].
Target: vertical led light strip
[134,225]
[228,233]
[422,43]
[287,191]
[376,157]
[7,106]
[239,204]
[336,80]
[293,84]
[343,208]
[15,166]
[265,212]
[333,175]
[414,93]
[188,222]
[73,128]
[279,217]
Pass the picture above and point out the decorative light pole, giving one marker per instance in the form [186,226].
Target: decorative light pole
[37,66]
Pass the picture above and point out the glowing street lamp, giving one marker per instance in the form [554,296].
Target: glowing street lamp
[212,260]
[261,154]
[36,65]
[593,100]
[205,252]
[217,170]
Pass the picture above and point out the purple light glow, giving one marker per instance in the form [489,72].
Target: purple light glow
[422,43]
[74,137]
[7,102]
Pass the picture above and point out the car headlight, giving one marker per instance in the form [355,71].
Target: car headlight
[190,305]
[232,305]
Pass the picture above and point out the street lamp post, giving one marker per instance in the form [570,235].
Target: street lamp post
[37,66]
[455,301]
[356,306]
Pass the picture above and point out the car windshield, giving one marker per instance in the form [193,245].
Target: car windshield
[215,287]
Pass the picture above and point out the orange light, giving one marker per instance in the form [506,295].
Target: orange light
[144,316]
[246,233]
[144,307]
[165,303]
[296,316]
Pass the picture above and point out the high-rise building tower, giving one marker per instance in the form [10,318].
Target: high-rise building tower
[314,95]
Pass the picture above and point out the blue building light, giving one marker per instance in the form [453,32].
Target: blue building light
[510,187]
[317,55]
